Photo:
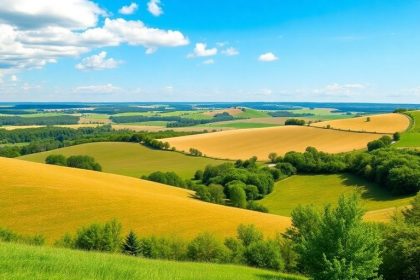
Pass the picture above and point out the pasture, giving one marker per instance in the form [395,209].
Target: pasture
[53,200]
[411,138]
[21,262]
[245,143]
[383,123]
[322,189]
[132,159]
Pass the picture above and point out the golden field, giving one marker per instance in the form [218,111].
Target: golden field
[245,143]
[52,200]
[383,123]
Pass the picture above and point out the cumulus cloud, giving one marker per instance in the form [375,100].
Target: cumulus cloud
[268,57]
[337,88]
[154,7]
[33,34]
[201,50]
[97,62]
[128,10]
[106,88]
[230,51]
[208,61]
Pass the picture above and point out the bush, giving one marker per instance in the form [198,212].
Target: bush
[195,152]
[286,168]
[10,236]
[168,178]
[248,234]
[206,248]
[255,206]
[396,136]
[83,162]
[216,194]
[163,248]
[237,196]
[56,160]
[264,254]
[202,192]
[99,237]
[294,122]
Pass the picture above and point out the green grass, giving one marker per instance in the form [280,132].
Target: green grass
[150,123]
[251,113]
[96,116]
[242,125]
[21,262]
[132,159]
[321,189]
[411,138]
[47,114]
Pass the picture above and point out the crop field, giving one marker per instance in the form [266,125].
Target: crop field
[411,138]
[53,200]
[245,143]
[230,111]
[132,159]
[383,123]
[21,262]
[322,189]
[241,125]
[94,118]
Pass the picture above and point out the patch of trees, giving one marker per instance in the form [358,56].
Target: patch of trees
[46,120]
[133,119]
[396,170]
[168,178]
[294,122]
[195,152]
[225,116]
[383,142]
[78,161]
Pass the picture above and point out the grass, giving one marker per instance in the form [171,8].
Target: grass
[321,189]
[383,123]
[245,143]
[132,159]
[240,125]
[21,262]
[251,113]
[53,200]
[411,138]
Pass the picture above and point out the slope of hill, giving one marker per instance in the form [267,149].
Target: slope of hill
[383,123]
[21,262]
[52,200]
[245,143]
[411,138]
[132,159]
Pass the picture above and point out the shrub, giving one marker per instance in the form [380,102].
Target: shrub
[206,248]
[83,162]
[99,237]
[10,236]
[168,178]
[202,192]
[248,234]
[237,196]
[255,206]
[163,248]
[396,136]
[264,254]
[286,168]
[195,152]
[294,122]
[198,175]
[216,194]
[56,160]
[272,157]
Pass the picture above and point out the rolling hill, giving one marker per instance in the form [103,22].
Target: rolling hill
[245,143]
[132,159]
[54,200]
[383,123]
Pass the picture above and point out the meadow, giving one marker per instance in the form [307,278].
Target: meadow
[411,138]
[245,143]
[383,123]
[21,262]
[132,159]
[53,200]
[322,189]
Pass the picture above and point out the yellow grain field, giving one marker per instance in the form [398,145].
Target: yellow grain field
[245,143]
[53,200]
[383,123]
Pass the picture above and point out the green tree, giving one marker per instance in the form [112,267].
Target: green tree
[99,237]
[336,244]
[131,245]
[264,254]
[206,248]
[396,136]
[83,162]
[56,160]
[216,194]
[248,234]
[237,196]
[272,157]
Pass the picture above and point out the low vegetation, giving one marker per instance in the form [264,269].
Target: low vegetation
[80,161]
[38,120]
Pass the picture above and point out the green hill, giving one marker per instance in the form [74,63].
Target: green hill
[411,138]
[131,159]
[28,262]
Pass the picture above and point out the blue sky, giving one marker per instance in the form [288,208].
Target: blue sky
[167,50]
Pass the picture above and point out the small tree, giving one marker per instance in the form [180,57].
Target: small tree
[237,196]
[248,234]
[396,136]
[131,245]
[56,160]
[272,157]
[216,194]
[264,254]
[206,248]
[368,119]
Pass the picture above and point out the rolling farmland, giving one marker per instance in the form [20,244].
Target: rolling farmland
[245,143]
[53,200]
[132,159]
[383,123]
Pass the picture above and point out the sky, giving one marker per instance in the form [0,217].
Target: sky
[210,50]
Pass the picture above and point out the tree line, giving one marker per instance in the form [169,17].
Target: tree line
[41,120]
[77,161]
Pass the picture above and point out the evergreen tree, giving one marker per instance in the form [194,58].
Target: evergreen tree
[131,245]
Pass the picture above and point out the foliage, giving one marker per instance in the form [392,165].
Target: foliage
[382,142]
[83,162]
[56,160]
[131,245]
[206,248]
[195,152]
[168,178]
[44,120]
[10,236]
[237,196]
[294,122]
[336,244]
[264,254]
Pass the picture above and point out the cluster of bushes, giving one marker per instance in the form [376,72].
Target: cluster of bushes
[182,122]
[396,170]
[46,120]
[195,152]
[168,178]
[82,162]
[10,236]
[383,142]
[249,247]
[294,122]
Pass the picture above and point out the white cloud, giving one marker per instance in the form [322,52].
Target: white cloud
[154,7]
[230,51]
[128,10]
[208,61]
[201,50]
[337,88]
[267,57]
[13,78]
[97,62]
[107,88]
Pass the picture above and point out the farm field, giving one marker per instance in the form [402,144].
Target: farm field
[383,123]
[21,262]
[322,189]
[53,200]
[245,143]
[132,159]
[411,138]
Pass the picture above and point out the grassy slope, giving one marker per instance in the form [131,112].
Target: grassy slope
[132,159]
[240,125]
[321,189]
[27,262]
[411,138]
[251,113]
[245,143]
[52,200]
